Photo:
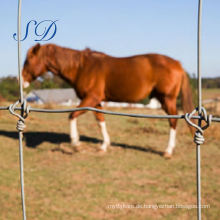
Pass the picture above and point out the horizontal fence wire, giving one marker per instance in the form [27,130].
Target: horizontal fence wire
[41,110]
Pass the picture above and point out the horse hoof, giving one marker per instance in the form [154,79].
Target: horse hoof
[103,148]
[75,143]
[167,155]
[101,151]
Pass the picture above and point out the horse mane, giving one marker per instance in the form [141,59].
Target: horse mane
[77,56]
[88,52]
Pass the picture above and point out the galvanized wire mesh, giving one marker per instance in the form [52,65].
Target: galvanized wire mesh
[25,110]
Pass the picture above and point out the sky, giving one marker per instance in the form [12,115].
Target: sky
[118,28]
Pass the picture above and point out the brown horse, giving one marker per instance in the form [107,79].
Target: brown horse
[98,77]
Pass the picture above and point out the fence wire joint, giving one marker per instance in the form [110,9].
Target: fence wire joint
[198,138]
[25,109]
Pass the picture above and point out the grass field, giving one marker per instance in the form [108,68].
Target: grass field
[63,184]
[210,93]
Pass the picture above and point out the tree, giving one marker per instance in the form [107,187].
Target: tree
[9,88]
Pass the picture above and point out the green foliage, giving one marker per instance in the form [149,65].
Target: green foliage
[193,85]
[208,83]
[145,101]
[9,88]
[48,81]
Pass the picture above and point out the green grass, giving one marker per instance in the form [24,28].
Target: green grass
[60,185]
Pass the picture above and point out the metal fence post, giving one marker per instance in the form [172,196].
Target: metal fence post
[22,111]
[198,156]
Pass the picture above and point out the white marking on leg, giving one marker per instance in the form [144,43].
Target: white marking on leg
[106,138]
[172,141]
[73,132]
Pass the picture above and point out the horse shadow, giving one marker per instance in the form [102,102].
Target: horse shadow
[34,139]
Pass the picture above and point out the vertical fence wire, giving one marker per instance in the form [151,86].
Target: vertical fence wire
[198,156]
[22,112]
[199,80]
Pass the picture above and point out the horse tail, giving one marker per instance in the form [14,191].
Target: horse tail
[187,98]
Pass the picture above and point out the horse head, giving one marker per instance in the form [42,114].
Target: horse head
[34,65]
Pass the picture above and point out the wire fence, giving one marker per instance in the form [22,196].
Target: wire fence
[201,115]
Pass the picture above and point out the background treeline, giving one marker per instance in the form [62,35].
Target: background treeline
[9,88]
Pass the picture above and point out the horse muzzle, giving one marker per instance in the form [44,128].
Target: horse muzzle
[26,84]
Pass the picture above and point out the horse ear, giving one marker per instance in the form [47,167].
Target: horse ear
[35,48]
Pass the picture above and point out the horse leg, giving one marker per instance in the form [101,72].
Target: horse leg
[169,105]
[74,135]
[106,139]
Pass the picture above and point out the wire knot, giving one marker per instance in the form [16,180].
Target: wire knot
[25,109]
[198,138]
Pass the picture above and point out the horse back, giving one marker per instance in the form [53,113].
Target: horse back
[134,78]
[130,79]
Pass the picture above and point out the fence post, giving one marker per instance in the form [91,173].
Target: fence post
[198,162]
[22,110]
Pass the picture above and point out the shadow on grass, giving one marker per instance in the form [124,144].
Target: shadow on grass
[33,139]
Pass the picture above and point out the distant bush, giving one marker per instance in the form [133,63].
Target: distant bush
[9,88]
[208,83]
[48,81]
[193,84]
